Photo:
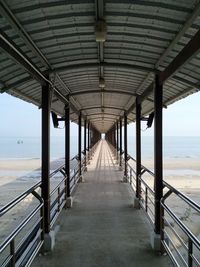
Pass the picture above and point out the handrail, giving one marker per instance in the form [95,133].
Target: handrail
[189,201]
[18,199]
[56,171]
[19,228]
[35,237]
[144,200]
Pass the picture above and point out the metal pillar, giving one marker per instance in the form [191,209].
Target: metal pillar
[158,155]
[114,136]
[125,146]
[117,139]
[67,150]
[46,155]
[79,143]
[120,142]
[85,129]
[117,132]
[138,147]
[88,143]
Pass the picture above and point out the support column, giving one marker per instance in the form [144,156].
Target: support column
[79,145]
[88,143]
[67,156]
[125,148]
[158,160]
[85,138]
[138,153]
[49,238]
[120,142]
[117,133]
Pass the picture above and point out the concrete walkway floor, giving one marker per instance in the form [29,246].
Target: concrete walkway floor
[103,229]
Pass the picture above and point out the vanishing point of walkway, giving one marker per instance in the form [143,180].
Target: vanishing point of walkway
[102,229]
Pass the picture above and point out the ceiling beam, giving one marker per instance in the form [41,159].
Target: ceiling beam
[20,58]
[16,25]
[105,91]
[189,51]
[180,34]
[175,40]
[17,55]
[102,117]
[6,13]
[103,64]
[105,107]
[99,4]
[105,113]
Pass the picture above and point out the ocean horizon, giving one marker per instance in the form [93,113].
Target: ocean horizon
[30,147]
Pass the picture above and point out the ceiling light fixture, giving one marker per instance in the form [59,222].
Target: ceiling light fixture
[100,31]
[102,83]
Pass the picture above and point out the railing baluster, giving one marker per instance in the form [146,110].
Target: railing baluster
[58,198]
[12,252]
[146,199]
[190,251]
[131,174]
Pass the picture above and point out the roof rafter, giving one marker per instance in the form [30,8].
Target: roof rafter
[109,107]
[111,91]
[175,40]
[6,12]
[103,64]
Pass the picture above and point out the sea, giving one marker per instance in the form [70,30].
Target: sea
[30,147]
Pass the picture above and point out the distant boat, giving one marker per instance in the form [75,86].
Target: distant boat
[20,142]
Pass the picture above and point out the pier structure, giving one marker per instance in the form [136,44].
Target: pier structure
[101,64]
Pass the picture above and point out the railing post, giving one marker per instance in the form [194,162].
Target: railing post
[67,157]
[88,143]
[117,130]
[125,148]
[12,252]
[46,106]
[79,146]
[158,159]
[85,138]
[120,142]
[138,154]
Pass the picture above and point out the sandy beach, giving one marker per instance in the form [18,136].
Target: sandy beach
[17,176]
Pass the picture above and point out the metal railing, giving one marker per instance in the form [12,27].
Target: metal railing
[57,194]
[22,244]
[177,238]
[146,185]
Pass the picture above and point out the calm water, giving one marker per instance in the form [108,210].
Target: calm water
[30,147]
[174,147]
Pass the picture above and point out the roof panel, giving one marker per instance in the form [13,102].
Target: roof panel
[58,37]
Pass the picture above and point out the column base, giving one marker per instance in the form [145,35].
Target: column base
[81,179]
[136,203]
[125,180]
[155,240]
[49,241]
[120,168]
[69,202]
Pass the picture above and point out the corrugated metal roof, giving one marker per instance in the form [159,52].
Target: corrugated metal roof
[58,37]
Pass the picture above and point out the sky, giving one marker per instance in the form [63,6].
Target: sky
[21,119]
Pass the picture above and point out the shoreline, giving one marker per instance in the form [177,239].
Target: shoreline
[12,186]
[180,173]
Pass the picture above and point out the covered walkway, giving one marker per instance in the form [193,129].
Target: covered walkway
[103,228]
